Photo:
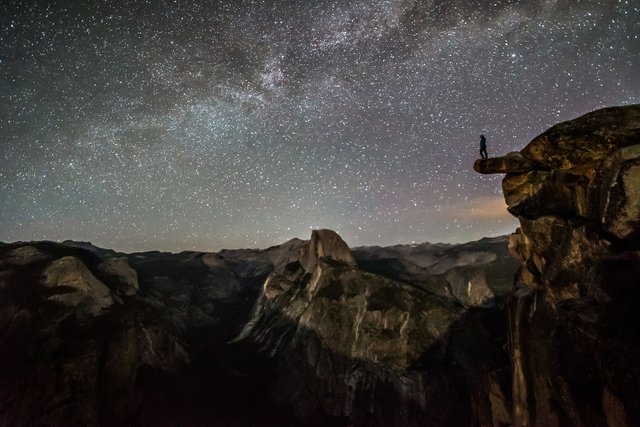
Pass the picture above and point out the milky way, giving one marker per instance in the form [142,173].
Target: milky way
[199,125]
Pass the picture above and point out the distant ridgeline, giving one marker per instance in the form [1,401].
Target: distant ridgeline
[305,333]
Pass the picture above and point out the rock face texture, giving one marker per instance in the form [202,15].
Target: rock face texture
[574,321]
[373,351]
[297,334]
[474,274]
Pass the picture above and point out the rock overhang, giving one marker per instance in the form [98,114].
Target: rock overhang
[587,168]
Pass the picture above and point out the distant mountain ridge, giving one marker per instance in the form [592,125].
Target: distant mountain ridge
[112,326]
[473,273]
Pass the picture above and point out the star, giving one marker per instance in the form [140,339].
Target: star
[203,125]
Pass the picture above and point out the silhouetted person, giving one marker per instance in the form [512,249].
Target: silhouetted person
[483,147]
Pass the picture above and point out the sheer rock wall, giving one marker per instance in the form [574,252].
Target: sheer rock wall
[574,323]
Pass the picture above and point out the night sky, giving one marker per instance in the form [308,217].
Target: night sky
[177,125]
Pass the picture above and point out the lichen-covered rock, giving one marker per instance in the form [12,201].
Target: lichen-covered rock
[574,323]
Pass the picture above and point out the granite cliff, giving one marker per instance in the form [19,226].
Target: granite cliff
[297,334]
[574,319]
[370,350]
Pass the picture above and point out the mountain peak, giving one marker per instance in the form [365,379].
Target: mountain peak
[325,243]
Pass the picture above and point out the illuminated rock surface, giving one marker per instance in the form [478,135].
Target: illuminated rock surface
[574,320]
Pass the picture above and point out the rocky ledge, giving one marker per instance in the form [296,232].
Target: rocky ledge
[574,319]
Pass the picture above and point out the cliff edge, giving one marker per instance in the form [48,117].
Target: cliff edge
[573,319]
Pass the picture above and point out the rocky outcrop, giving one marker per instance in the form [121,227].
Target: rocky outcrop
[71,351]
[574,322]
[127,276]
[325,243]
[296,334]
[75,286]
[374,351]
[511,162]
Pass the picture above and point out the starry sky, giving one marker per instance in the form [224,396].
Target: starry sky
[182,125]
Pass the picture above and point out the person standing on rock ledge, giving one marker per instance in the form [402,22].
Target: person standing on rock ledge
[483,147]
